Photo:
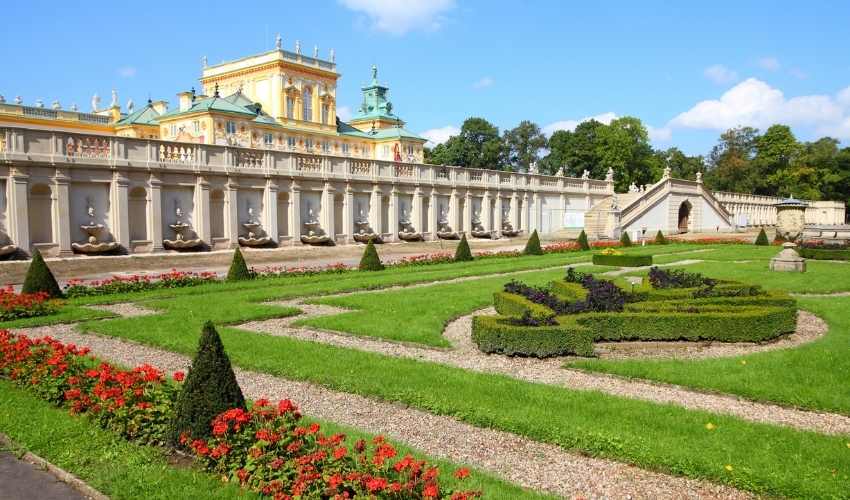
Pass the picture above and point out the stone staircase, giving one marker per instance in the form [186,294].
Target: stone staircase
[599,220]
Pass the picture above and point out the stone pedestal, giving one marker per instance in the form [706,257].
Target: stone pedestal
[788,260]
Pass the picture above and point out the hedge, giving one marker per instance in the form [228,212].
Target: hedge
[568,291]
[511,304]
[622,260]
[823,254]
[497,335]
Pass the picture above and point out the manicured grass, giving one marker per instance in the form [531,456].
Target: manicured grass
[765,459]
[69,313]
[121,469]
[813,376]
[111,465]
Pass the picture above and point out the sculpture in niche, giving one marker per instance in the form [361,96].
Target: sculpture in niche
[256,235]
[508,228]
[181,232]
[478,230]
[444,230]
[406,230]
[363,232]
[92,230]
[314,235]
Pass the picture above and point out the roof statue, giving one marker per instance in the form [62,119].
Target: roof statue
[204,61]
[585,174]
[95,102]
[333,55]
[130,105]
[699,177]
[56,105]
[609,176]
[19,99]
[114,99]
[278,42]
[666,172]
[2,99]
[315,51]
[298,47]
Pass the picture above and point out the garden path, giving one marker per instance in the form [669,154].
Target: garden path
[517,459]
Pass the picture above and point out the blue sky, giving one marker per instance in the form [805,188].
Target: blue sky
[687,69]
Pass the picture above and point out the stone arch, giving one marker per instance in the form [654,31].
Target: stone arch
[217,213]
[684,216]
[137,200]
[40,214]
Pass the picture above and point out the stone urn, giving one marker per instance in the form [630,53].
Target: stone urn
[790,218]
[788,260]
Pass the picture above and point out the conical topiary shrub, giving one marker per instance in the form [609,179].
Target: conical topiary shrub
[370,260]
[40,279]
[582,241]
[463,253]
[761,239]
[533,246]
[625,240]
[660,239]
[210,389]
[238,268]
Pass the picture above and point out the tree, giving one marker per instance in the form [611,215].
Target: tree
[238,268]
[370,260]
[625,240]
[761,239]
[478,145]
[532,247]
[729,161]
[462,252]
[209,390]
[623,146]
[775,158]
[582,241]
[660,239]
[681,165]
[523,144]
[39,278]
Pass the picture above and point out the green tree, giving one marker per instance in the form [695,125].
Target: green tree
[582,241]
[478,145]
[624,147]
[209,390]
[462,252]
[775,160]
[238,268]
[625,240]
[370,260]
[761,239]
[660,239]
[523,144]
[39,278]
[729,163]
[681,165]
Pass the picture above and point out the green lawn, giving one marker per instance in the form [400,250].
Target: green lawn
[121,469]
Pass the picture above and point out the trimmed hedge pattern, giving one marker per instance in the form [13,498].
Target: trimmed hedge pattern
[622,260]
[734,312]
[823,254]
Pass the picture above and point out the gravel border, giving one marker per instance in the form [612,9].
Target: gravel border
[517,459]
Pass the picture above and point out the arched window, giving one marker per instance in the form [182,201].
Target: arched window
[307,111]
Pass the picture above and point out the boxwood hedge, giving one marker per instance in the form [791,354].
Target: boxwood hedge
[823,254]
[737,312]
[600,259]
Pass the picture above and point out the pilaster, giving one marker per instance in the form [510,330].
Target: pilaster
[61,198]
[454,210]
[467,212]
[202,209]
[295,212]
[497,215]
[231,212]
[433,209]
[270,222]
[375,215]
[328,210]
[416,210]
[17,209]
[348,213]
[120,207]
[394,214]
[523,215]
[155,212]
[513,214]
[486,211]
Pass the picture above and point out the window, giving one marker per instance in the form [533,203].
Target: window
[386,152]
[290,141]
[173,131]
[290,107]
[268,139]
[307,111]
[308,143]
[196,126]
[326,146]
[410,150]
[325,111]
[230,127]
[345,148]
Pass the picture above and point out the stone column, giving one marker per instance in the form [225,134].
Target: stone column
[394,214]
[486,205]
[513,214]
[523,215]
[231,212]
[62,212]
[348,214]
[467,212]
[328,210]
[416,210]
[120,207]
[17,209]
[295,212]
[497,215]
[202,209]
[454,210]
[433,213]
[155,212]
[375,215]
[270,222]
[536,210]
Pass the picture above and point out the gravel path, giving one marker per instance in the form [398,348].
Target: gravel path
[465,354]
[517,459]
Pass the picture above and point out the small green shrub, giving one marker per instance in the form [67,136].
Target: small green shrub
[462,252]
[370,260]
[40,279]
[238,268]
[660,239]
[532,247]
[622,260]
[761,239]
[501,335]
[625,240]
[582,241]
[209,390]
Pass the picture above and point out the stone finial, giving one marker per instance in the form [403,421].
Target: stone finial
[278,42]
[609,176]
[666,172]
[315,51]
[699,177]
[39,103]
[74,107]
[95,103]
[114,102]
[130,105]
[56,105]
[333,55]
[19,99]
[203,61]
[298,47]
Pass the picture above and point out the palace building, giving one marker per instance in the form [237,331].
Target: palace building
[258,157]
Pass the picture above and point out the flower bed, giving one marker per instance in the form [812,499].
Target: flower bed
[25,305]
[294,271]
[137,283]
[569,316]
[267,449]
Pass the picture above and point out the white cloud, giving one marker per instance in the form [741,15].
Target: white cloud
[571,125]
[397,17]
[127,72]
[483,83]
[798,73]
[755,103]
[769,63]
[662,134]
[344,113]
[720,74]
[439,135]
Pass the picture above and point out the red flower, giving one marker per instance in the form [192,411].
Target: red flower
[431,490]
[340,452]
[462,473]
[178,376]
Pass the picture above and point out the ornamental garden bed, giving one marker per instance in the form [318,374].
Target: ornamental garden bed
[616,258]
[569,315]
